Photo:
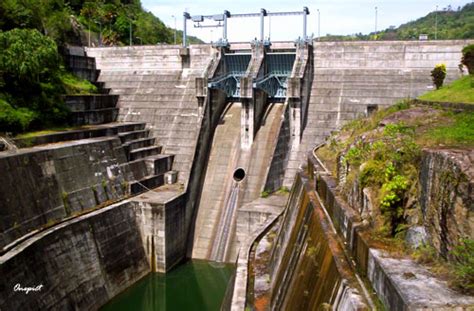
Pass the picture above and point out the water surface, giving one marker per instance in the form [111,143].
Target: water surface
[195,285]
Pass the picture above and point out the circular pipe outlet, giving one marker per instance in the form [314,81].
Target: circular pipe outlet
[239,174]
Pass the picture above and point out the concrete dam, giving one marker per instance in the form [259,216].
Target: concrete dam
[201,153]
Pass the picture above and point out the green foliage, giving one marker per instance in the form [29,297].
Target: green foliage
[265,194]
[27,55]
[452,24]
[391,204]
[425,254]
[14,120]
[459,133]
[468,58]
[283,190]
[464,266]
[372,173]
[112,19]
[75,85]
[438,74]
[29,70]
[459,91]
[387,161]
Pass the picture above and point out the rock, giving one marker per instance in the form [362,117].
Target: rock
[409,115]
[416,236]
[446,197]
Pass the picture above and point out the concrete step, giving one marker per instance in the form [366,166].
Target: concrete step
[91,102]
[146,183]
[126,127]
[139,143]
[160,163]
[94,117]
[144,152]
[133,135]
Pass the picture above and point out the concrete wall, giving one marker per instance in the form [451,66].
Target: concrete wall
[156,85]
[80,264]
[43,185]
[279,163]
[161,218]
[308,268]
[349,76]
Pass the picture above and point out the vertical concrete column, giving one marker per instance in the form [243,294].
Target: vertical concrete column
[224,29]
[186,16]
[247,124]
[295,120]
[252,101]
[305,17]
[263,13]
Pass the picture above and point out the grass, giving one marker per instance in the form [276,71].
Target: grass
[77,86]
[457,133]
[45,132]
[460,91]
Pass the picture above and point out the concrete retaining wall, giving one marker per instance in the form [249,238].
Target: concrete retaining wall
[43,185]
[78,265]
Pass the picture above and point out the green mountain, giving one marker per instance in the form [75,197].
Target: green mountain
[451,24]
[78,21]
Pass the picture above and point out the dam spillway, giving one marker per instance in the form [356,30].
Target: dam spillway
[196,130]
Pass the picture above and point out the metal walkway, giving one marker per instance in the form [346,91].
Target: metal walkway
[235,67]
[278,69]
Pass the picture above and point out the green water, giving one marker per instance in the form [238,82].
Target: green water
[195,285]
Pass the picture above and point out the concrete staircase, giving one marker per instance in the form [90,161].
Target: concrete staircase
[156,85]
[146,163]
[351,79]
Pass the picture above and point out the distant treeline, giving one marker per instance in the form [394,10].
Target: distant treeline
[451,24]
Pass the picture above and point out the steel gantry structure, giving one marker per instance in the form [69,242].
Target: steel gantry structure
[222,22]
[278,66]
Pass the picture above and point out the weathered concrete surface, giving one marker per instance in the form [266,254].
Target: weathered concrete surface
[253,220]
[110,129]
[308,268]
[276,173]
[222,161]
[415,285]
[81,263]
[45,184]
[160,214]
[156,85]
[447,197]
[350,76]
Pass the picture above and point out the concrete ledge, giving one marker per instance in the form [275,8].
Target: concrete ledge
[447,105]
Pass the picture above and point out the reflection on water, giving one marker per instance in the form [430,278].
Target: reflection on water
[195,285]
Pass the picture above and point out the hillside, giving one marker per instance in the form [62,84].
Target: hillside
[70,21]
[459,91]
[452,24]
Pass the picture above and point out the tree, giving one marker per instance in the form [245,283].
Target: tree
[438,74]
[26,55]
[468,58]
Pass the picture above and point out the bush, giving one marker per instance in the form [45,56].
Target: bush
[14,120]
[30,75]
[468,58]
[464,266]
[438,75]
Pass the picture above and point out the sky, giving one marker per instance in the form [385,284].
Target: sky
[336,16]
